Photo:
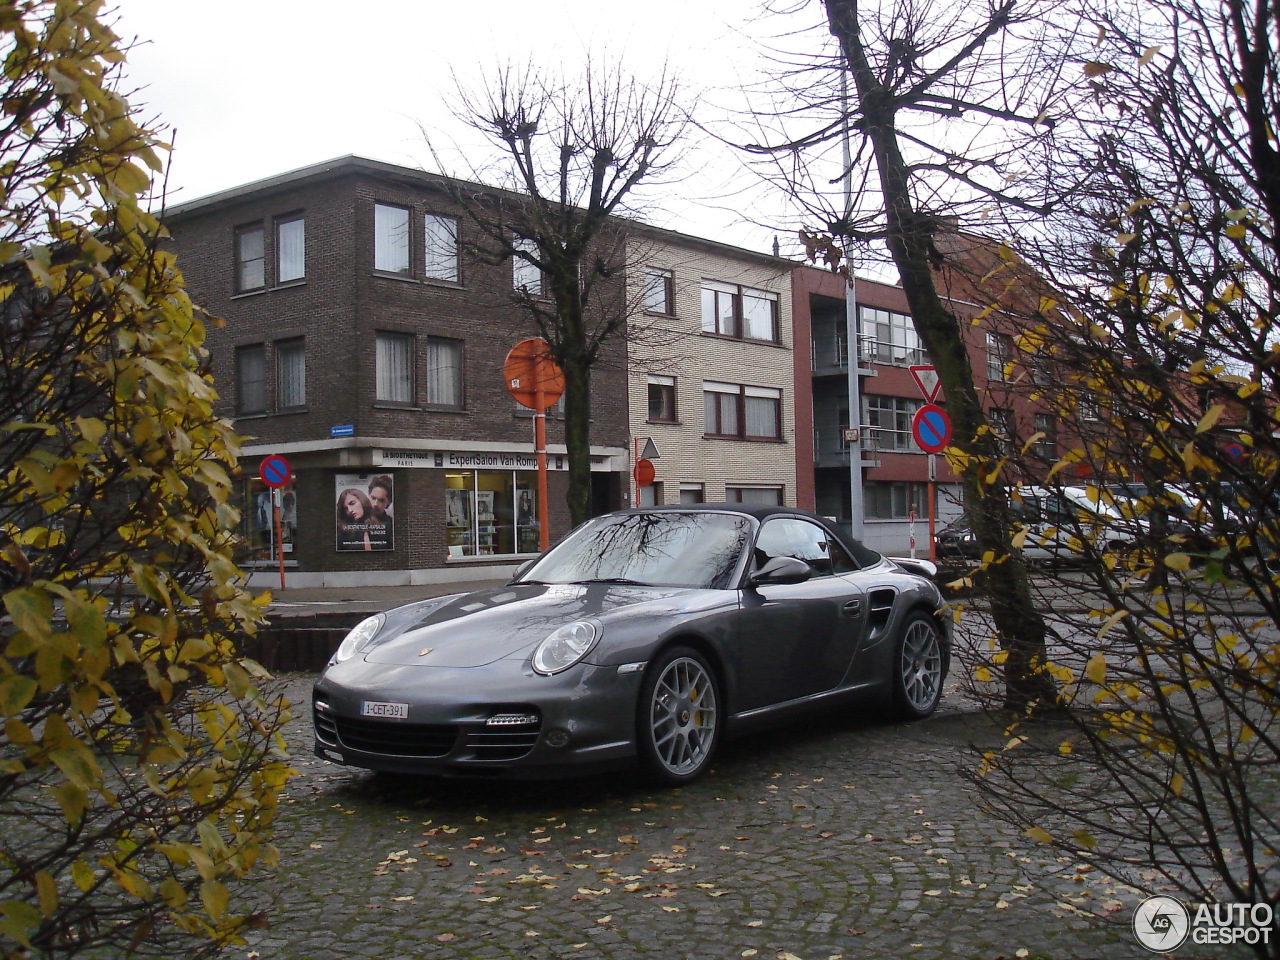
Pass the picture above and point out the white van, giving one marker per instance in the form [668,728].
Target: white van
[1060,521]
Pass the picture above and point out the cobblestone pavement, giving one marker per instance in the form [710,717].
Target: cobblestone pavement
[843,837]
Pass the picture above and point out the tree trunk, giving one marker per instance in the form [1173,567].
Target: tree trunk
[909,234]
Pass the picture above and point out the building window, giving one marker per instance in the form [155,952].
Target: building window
[291,249]
[440,243]
[488,512]
[394,368]
[999,355]
[390,239]
[251,379]
[889,337]
[748,413]
[250,258]
[291,374]
[888,422]
[650,496]
[1089,409]
[444,372]
[659,291]
[760,496]
[729,310]
[1001,422]
[895,500]
[662,399]
[526,276]
[1047,445]
[692,493]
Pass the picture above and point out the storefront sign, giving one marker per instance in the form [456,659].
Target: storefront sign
[471,460]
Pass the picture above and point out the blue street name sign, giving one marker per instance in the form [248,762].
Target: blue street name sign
[931,428]
[343,430]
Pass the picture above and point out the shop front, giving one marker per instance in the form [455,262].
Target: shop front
[408,516]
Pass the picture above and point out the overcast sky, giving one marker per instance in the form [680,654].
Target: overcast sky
[252,88]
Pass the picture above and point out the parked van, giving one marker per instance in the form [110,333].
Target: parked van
[1062,524]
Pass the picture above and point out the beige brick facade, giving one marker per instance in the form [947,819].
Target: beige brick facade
[676,346]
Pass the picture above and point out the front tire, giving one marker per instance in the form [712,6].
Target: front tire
[919,667]
[678,718]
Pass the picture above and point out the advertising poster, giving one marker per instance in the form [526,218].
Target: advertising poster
[364,511]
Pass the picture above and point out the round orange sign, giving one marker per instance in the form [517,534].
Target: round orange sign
[533,377]
[645,473]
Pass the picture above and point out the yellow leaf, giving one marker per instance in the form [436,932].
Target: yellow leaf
[215,898]
[15,693]
[1039,834]
[1111,622]
[1096,670]
[1178,561]
[1176,784]
[82,875]
[1211,417]
[47,891]
[1148,54]
[982,675]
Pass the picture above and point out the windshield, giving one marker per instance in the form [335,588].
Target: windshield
[669,549]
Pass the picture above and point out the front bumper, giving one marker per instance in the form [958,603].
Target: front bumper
[501,720]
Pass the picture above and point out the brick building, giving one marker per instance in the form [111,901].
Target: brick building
[895,471]
[712,371]
[361,343]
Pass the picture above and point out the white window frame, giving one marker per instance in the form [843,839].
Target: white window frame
[291,249]
[440,247]
[391,246]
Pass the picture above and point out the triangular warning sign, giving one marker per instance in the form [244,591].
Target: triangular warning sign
[926,379]
[650,451]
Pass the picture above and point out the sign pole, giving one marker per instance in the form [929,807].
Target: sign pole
[275,509]
[540,448]
[932,494]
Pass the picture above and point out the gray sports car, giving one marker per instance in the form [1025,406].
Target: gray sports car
[643,635]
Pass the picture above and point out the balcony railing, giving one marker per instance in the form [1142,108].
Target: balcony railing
[829,444]
[832,352]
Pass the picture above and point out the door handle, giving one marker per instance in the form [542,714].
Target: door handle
[852,608]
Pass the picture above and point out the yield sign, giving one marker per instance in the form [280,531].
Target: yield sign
[926,379]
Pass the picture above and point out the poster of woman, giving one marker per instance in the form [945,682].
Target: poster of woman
[362,511]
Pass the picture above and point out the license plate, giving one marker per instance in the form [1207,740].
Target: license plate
[382,708]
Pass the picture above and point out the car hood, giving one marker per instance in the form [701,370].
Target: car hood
[474,629]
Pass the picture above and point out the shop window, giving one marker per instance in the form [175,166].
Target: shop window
[491,512]
[258,527]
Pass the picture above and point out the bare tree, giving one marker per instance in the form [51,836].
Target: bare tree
[574,156]
[930,98]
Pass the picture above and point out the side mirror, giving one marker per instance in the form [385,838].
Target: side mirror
[781,570]
[521,570]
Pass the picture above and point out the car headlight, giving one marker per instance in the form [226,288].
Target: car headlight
[359,637]
[565,647]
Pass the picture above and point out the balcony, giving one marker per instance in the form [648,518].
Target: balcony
[829,355]
[831,450]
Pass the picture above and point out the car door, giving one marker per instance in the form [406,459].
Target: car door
[798,639]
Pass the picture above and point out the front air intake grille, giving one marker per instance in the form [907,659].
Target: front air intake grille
[395,738]
[504,742]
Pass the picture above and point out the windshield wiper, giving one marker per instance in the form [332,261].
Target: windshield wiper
[625,581]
